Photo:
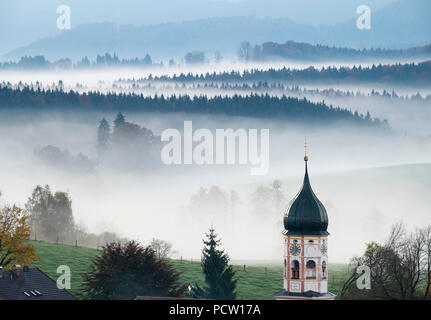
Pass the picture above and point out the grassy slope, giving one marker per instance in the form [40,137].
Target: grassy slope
[53,255]
[254,283]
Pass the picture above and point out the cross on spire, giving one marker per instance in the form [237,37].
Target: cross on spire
[305,145]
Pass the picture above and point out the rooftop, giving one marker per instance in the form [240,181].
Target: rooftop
[31,285]
[306,215]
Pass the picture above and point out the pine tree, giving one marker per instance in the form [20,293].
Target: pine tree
[103,134]
[119,120]
[218,274]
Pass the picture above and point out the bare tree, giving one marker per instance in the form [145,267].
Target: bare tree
[244,51]
[397,267]
[426,233]
[404,263]
[163,249]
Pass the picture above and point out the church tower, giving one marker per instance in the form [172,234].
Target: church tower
[305,247]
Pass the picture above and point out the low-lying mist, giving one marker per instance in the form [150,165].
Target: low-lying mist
[366,179]
[408,113]
[96,78]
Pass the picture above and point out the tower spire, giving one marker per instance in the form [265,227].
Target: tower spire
[306,242]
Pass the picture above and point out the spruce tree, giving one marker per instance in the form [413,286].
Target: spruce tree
[103,134]
[119,120]
[219,276]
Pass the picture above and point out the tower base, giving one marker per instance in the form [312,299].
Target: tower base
[309,295]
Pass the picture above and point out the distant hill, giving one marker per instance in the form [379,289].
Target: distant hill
[401,24]
[163,41]
[40,15]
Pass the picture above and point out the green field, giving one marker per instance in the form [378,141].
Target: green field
[256,282]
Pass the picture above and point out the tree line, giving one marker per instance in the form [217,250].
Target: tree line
[214,201]
[254,105]
[292,50]
[407,74]
[264,86]
[104,60]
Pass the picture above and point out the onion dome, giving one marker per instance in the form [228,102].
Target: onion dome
[306,215]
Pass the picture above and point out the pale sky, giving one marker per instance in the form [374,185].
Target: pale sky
[24,21]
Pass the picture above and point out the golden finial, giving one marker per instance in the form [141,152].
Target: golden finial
[305,149]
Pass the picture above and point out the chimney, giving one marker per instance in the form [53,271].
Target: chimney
[16,272]
[25,270]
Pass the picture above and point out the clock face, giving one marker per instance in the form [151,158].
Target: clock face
[295,249]
[324,248]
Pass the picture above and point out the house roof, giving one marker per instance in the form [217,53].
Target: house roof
[31,285]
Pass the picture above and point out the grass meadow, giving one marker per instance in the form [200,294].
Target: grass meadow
[259,281]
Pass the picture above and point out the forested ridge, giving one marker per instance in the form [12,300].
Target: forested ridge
[264,87]
[406,74]
[254,105]
[292,50]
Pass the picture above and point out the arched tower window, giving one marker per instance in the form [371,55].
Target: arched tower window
[324,270]
[311,269]
[295,269]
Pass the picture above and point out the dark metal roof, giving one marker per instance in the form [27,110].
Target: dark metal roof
[307,294]
[31,285]
[306,215]
[164,298]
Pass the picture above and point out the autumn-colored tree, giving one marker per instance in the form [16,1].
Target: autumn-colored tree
[123,272]
[14,236]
